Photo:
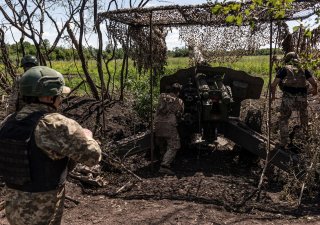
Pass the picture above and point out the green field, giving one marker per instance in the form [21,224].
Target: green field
[254,65]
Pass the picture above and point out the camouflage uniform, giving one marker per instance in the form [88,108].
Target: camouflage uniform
[58,136]
[290,102]
[294,98]
[167,138]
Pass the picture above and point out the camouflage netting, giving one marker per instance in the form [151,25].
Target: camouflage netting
[208,35]
[220,44]
[135,41]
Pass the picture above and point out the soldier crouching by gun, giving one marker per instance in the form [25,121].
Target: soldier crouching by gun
[170,109]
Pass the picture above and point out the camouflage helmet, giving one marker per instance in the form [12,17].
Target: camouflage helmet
[291,56]
[29,61]
[42,81]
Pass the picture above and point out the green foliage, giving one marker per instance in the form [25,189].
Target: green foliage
[178,52]
[216,9]
[62,53]
[230,18]
[308,33]
[295,28]
[236,13]
[140,88]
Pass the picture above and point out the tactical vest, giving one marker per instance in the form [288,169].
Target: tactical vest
[294,78]
[23,165]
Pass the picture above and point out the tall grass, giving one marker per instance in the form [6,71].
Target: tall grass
[254,65]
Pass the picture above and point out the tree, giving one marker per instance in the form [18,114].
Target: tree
[29,18]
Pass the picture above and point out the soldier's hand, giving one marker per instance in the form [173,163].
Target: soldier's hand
[88,133]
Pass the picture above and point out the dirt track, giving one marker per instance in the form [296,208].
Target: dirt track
[102,210]
[99,209]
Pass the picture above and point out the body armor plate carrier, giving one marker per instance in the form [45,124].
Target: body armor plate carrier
[295,77]
[23,165]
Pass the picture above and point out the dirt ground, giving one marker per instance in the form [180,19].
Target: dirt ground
[211,186]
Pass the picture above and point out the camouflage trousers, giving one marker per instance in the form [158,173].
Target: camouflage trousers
[169,146]
[290,103]
[40,208]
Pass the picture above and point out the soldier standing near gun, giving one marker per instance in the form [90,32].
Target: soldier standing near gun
[170,109]
[36,144]
[293,80]
[15,102]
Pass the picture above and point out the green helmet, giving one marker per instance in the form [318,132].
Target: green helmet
[42,81]
[291,56]
[29,61]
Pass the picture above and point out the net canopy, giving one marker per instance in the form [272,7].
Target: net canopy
[208,36]
[177,15]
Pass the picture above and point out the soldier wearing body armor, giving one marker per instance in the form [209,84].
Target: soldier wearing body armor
[293,79]
[36,144]
[15,102]
[170,109]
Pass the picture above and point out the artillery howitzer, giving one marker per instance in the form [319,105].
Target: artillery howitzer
[212,98]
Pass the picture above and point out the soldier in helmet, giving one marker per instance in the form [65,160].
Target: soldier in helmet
[29,61]
[170,109]
[36,144]
[293,78]
[15,102]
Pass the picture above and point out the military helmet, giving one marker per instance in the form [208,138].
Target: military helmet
[291,56]
[29,61]
[42,81]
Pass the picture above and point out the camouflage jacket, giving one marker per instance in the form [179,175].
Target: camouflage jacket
[59,136]
[169,108]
